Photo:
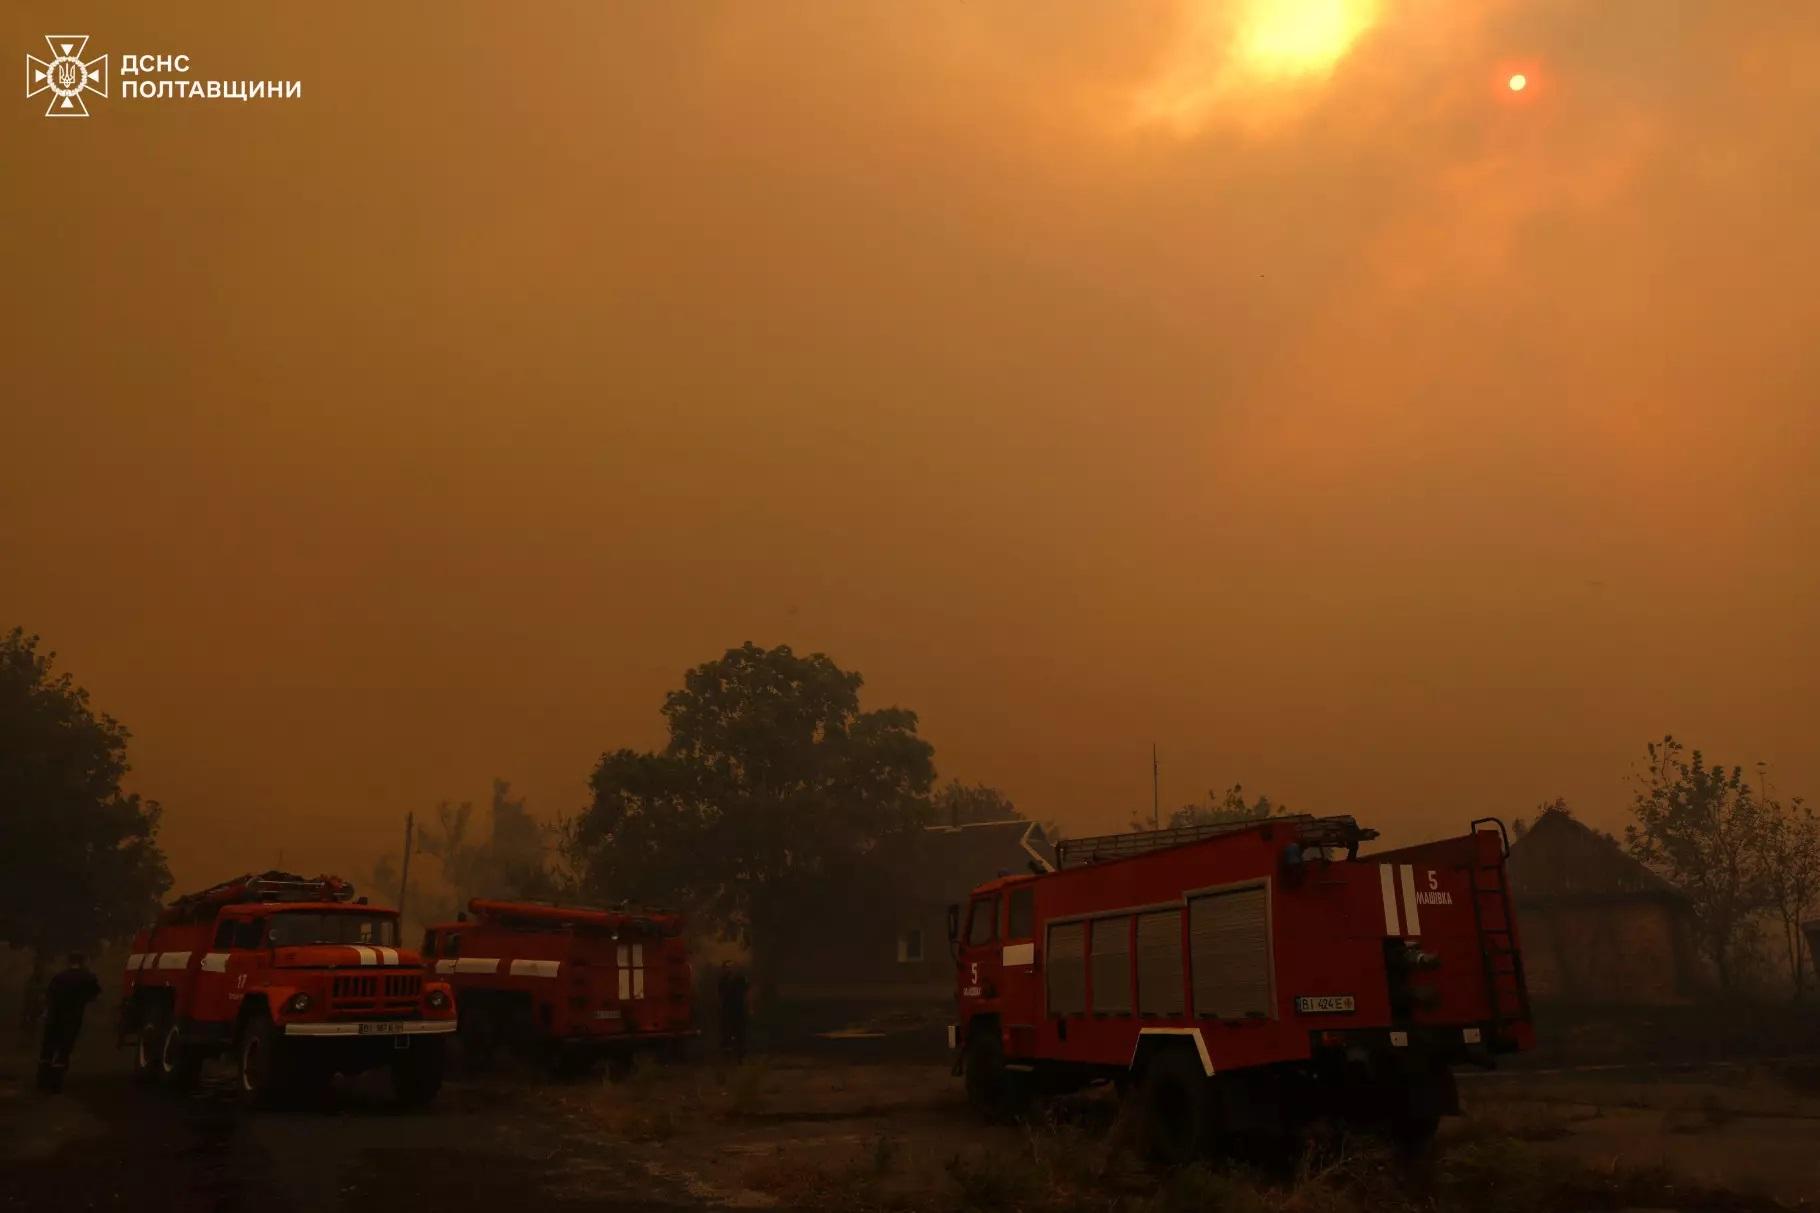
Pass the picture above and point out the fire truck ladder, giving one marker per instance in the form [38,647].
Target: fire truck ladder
[1504,980]
[1337,831]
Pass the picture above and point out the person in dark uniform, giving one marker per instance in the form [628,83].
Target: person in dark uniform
[732,1011]
[66,996]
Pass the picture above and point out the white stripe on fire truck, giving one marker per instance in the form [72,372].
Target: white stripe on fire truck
[389,955]
[173,960]
[534,968]
[1411,915]
[214,962]
[1200,1045]
[476,964]
[1387,883]
[133,959]
[367,955]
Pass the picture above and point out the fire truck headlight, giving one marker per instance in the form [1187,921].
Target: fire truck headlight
[438,1000]
[298,1003]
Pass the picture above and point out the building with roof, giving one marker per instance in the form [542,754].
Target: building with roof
[1595,925]
[883,937]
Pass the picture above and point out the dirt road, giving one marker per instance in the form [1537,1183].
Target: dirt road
[105,1143]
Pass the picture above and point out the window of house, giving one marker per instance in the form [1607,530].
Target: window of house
[910,945]
[982,926]
[1021,923]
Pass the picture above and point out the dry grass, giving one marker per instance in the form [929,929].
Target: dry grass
[874,1141]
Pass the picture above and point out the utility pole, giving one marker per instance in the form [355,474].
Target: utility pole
[1156,813]
[404,875]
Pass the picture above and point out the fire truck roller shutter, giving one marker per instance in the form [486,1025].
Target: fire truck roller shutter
[1112,965]
[1229,951]
[1159,963]
[1065,968]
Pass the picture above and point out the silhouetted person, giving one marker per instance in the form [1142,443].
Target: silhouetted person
[66,996]
[732,1011]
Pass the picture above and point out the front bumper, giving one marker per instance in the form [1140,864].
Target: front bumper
[373,1028]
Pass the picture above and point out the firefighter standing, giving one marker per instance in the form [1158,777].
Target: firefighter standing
[65,998]
[732,1011]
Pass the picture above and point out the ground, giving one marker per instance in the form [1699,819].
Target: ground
[829,1133]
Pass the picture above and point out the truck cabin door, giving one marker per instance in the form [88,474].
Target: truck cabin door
[1019,983]
[221,974]
[979,953]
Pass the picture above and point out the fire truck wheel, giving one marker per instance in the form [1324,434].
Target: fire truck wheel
[477,1037]
[994,1092]
[1413,1133]
[152,1028]
[178,1062]
[417,1072]
[1175,1108]
[261,1068]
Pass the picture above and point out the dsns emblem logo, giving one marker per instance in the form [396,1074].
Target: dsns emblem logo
[65,76]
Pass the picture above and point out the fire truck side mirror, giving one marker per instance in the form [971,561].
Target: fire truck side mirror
[954,923]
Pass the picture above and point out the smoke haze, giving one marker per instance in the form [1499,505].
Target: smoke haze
[1298,397]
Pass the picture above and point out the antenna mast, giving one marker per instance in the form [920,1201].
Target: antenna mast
[1156,821]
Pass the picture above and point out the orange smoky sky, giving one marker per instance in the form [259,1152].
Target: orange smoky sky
[1264,379]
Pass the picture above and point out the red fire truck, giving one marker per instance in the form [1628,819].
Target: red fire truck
[1242,979]
[568,984]
[296,979]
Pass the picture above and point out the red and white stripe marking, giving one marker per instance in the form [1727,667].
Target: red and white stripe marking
[469,964]
[1393,879]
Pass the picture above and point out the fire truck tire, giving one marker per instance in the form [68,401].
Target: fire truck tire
[178,1061]
[417,1073]
[1413,1133]
[478,1035]
[261,1068]
[153,1025]
[995,1093]
[1175,1111]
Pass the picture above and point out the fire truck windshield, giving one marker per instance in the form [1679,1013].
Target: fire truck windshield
[302,928]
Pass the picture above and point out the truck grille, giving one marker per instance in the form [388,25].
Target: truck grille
[388,992]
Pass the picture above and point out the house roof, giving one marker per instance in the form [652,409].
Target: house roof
[1561,857]
[989,847]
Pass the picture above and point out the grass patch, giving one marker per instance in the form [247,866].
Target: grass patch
[747,1088]
[986,1182]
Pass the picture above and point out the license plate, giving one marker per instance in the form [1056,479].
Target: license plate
[1325,1004]
[381,1029]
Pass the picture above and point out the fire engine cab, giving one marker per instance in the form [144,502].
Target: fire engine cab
[567,984]
[1243,979]
[295,979]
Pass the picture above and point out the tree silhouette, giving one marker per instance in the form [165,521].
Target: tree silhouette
[79,857]
[772,780]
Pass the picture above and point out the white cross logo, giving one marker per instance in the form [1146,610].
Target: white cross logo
[66,76]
